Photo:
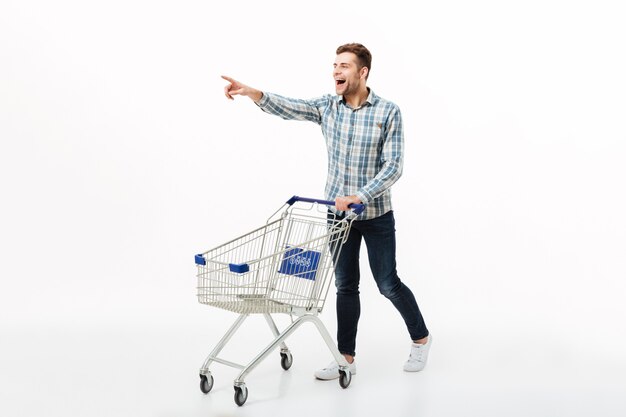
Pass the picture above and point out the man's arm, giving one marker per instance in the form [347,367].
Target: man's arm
[286,108]
[391,158]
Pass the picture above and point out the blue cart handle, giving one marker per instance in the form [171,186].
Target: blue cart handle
[357,208]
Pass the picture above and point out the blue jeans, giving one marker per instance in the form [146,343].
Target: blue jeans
[380,239]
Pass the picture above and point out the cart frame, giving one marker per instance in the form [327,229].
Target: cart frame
[285,266]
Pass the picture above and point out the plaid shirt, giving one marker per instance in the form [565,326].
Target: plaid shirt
[365,145]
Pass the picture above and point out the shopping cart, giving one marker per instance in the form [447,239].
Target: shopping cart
[283,267]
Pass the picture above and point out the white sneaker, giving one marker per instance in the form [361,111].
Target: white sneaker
[332,371]
[419,356]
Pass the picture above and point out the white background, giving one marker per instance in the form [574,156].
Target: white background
[120,158]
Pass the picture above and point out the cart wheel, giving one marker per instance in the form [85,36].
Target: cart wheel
[206,383]
[241,395]
[345,377]
[286,360]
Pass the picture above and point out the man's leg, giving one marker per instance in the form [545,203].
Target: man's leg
[347,276]
[380,238]
[348,304]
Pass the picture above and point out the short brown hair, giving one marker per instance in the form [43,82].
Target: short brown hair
[363,55]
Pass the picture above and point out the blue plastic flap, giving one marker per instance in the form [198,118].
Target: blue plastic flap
[300,263]
[200,260]
[239,268]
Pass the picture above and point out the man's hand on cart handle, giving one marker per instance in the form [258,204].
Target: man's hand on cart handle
[235,88]
[342,203]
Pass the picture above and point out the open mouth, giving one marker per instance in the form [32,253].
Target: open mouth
[340,82]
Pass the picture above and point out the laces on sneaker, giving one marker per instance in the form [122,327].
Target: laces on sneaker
[418,356]
[417,353]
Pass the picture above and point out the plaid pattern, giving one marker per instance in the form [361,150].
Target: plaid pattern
[365,145]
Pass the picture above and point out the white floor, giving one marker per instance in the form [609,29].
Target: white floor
[151,370]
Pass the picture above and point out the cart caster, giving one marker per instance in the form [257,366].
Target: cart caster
[241,395]
[286,360]
[345,377]
[206,383]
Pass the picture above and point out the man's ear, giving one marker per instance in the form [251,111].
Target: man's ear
[364,71]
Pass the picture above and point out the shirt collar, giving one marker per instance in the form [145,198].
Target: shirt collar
[371,98]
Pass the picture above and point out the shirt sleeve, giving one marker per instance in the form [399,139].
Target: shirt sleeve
[292,108]
[391,159]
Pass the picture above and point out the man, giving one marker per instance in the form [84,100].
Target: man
[365,142]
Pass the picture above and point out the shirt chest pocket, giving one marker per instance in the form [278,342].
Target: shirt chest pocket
[369,136]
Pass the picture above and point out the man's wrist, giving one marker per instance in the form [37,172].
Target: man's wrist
[362,197]
[256,96]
